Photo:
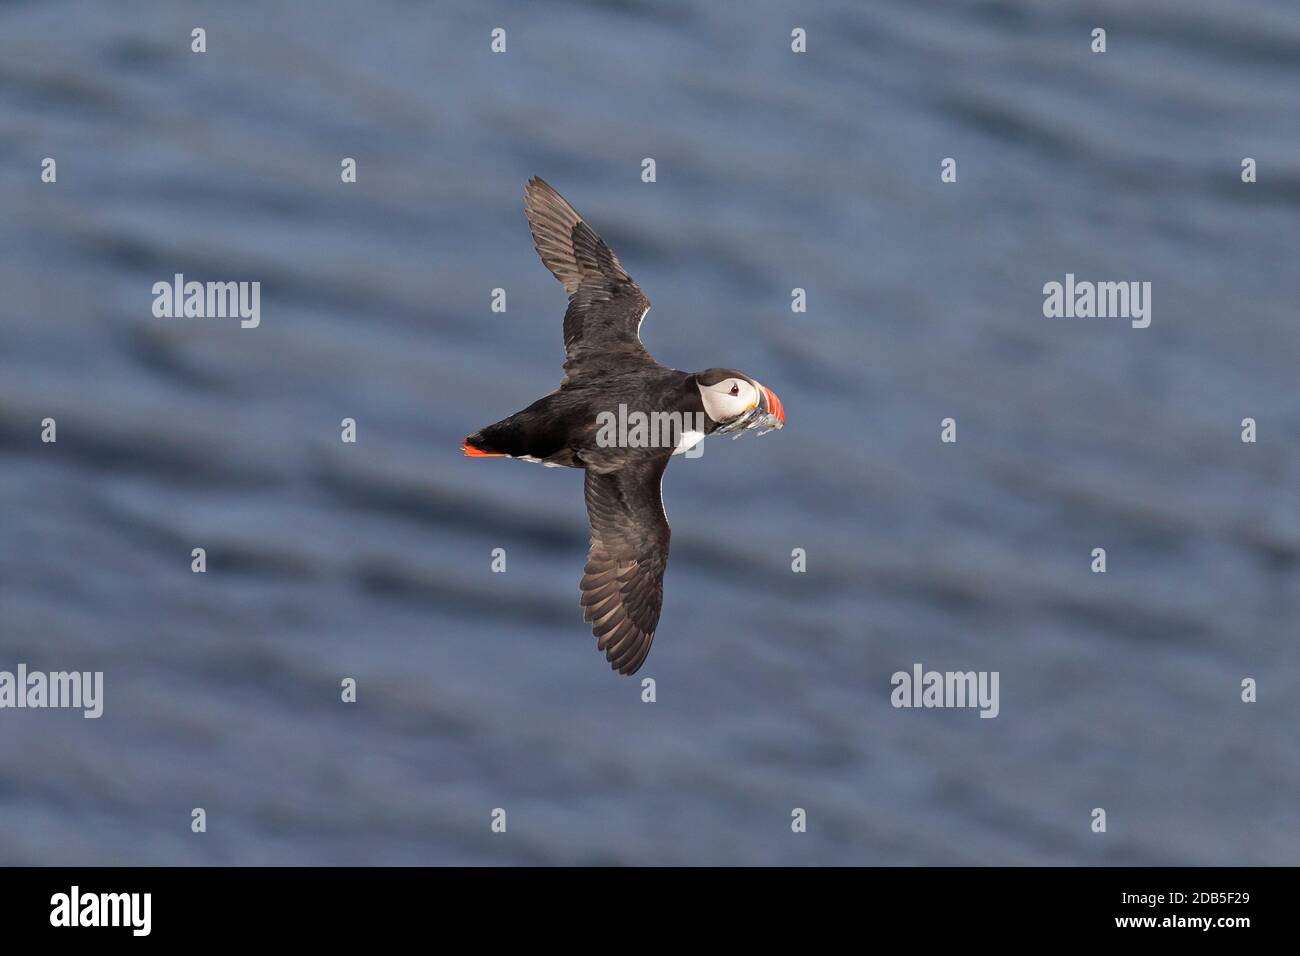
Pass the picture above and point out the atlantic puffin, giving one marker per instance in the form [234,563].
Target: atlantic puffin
[609,376]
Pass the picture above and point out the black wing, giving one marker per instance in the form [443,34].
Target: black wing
[603,323]
[623,582]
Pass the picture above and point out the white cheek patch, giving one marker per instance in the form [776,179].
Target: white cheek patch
[723,407]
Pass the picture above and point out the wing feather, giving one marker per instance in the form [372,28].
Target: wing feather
[623,582]
[602,326]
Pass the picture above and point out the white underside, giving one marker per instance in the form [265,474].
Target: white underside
[688,441]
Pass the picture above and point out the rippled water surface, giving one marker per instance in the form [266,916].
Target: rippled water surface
[775,171]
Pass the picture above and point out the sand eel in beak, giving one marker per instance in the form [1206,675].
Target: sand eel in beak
[620,416]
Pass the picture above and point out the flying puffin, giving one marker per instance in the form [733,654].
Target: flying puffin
[608,376]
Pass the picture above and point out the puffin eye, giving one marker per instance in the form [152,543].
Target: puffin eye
[735,389]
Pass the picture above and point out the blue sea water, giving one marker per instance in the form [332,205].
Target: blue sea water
[774,171]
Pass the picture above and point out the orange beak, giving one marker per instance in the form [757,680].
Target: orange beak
[774,406]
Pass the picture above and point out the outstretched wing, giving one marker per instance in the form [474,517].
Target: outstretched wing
[603,322]
[623,582]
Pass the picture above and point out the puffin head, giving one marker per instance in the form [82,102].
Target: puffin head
[733,401]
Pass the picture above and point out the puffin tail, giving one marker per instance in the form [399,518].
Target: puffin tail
[473,448]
